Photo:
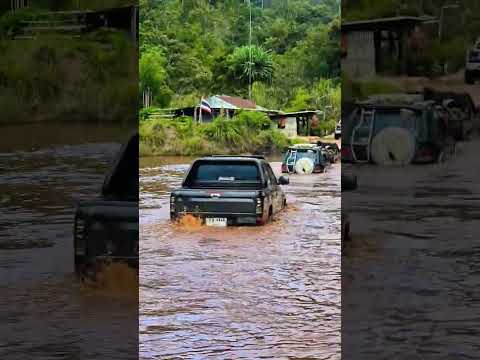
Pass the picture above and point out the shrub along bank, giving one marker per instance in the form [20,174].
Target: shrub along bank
[246,133]
[62,78]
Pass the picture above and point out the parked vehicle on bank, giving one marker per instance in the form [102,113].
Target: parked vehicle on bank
[338,130]
[106,228]
[229,190]
[305,159]
[397,128]
[332,150]
[461,109]
[472,64]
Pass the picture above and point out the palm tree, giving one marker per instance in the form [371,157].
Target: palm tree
[260,68]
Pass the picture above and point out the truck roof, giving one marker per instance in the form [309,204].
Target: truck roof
[304,147]
[233,157]
[395,101]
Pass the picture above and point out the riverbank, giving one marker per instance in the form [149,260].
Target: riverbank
[57,77]
[246,133]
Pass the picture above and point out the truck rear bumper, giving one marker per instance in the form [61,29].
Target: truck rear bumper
[232,218]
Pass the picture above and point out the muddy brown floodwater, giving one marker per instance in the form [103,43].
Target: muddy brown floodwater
[410,274]
[45,312]
[245,292]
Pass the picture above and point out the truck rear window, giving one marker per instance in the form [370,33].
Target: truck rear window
[224,173]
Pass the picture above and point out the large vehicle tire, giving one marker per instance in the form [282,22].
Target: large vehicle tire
[304,166]
[393,146]
[267,216]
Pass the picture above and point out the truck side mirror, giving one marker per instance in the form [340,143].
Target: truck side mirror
[282,180]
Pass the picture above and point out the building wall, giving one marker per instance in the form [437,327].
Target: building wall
[359,61]
[290,129]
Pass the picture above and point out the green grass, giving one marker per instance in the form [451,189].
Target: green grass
[61,78]
[246,133]
[361,89]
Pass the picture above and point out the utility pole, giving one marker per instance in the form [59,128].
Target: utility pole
[250,53]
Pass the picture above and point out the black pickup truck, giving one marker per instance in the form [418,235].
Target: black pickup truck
[229,190]
[106,228]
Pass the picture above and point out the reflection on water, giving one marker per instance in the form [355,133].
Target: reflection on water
[240,292]
[409,276]
[46,312]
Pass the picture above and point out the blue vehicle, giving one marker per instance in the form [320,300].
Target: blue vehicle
[305,159]
[425,122]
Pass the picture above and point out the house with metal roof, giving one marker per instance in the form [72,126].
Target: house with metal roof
[371,47]
[232,103]
[221,105]
[297,123]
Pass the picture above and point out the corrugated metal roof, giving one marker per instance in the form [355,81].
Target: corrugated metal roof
[218,103]
[239,102]
[385,22]
[232,102]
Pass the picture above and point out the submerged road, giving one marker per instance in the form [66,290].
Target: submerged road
[410,274]
[240,293]
[45,311]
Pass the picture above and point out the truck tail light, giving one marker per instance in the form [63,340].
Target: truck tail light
[345,152]
[426,153]
[259,206]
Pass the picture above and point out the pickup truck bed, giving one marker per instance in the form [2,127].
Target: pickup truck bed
[238,206]
[111,228]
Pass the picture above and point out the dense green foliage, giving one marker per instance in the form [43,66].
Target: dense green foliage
[248,132]
[204,48]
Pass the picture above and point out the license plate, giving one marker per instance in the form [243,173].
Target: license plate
[216,222]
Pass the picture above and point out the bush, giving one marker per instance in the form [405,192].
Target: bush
[145,113]
[196,145]
[153,133]
[100,88]
[12,22]
[451,52]
[273,141]
[373,87]
[247,133]
[145,149]
[253,120]
[223,131]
